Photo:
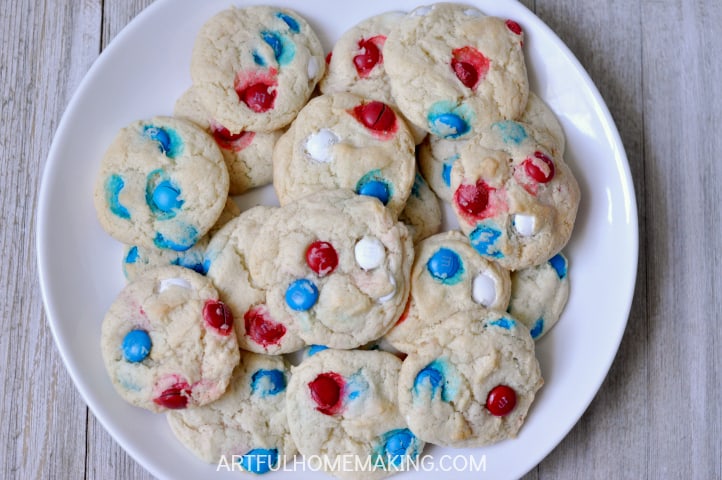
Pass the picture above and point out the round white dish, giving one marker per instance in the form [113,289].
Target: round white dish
[141,74]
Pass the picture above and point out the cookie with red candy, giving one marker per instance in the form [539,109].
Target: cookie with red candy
[168,341]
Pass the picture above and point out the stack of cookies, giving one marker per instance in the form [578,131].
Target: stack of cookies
[400,335]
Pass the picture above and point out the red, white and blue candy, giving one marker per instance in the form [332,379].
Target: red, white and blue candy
[445,266]
[136,345]
[259,460]
[301,295]
[397,447]
[262,328]
[266,382]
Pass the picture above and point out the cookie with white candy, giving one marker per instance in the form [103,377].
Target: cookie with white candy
[336,265]
[448,276]
[514,197]
[345,141]
[255,67]
[168,341]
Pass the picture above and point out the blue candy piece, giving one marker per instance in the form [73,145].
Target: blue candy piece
[483,238]
[283,49]
[259,460]
[377,189]
[434,377]
[132,255]
[445,266]
[512,133]
[503,322]
[397,447]
[448,125]
[136,345]
[268,382]
[165,197]
[418,184]
[301,295]
[258,59]
[290,21]
[559,263]
[169,143]
[180,245]
[113,185]
[192,260]
[537,328]
[314,349]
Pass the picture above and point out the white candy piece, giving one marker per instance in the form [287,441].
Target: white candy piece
[483,289]
[389,296]
[369,253]
[318,145]
[166,283]
[472,12]
[525,225]
[312,68]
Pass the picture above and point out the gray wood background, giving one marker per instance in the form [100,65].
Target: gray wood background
[658,65]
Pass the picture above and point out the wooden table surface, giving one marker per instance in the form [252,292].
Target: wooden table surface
[657,64]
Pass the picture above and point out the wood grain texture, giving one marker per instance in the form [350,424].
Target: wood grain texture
[656,64]
[45,49]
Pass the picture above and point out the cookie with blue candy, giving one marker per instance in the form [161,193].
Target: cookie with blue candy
[162,183]
[513,195]
[342,140]
[247,425]
[226,257]
[336,265]
[454,70]
[344,403]
[447,276]
[471,382]
[168,342]
[255,67]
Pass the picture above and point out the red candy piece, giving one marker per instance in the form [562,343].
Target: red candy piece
[501,400]
[370,56]
[328,57]
[376,116]
[513,27]
[326,391]
[261,328]
[175,397]
[218,316]
[321,257]
[469,65]
[231,141]
[541,169]
[405,313]
[258,97]
[472,199]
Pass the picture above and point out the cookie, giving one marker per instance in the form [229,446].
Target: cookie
[138,259]
[247,154]
[162,184]
[448,276]
[227,259]
[472,382]
[335,264]
[344,141]
[255,67]
[168,342]
[344,403]
[422,213]
[248,424]
[455,71]
[437,155]
[356,63]
[539,294]
[514,198]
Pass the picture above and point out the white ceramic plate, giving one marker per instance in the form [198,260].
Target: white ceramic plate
[142,73]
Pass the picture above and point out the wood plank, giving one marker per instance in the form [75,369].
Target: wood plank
[45,48]
[601,445]
[683,116]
